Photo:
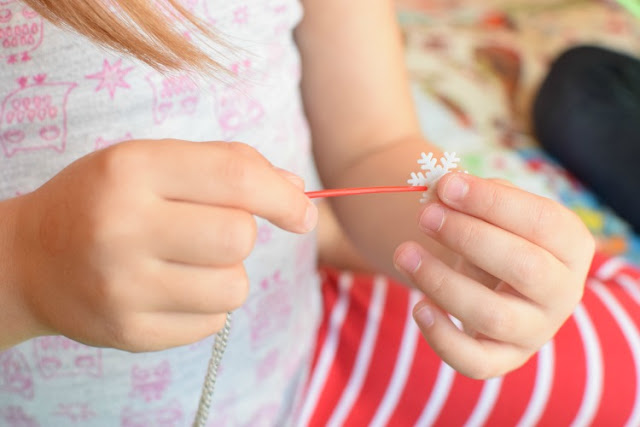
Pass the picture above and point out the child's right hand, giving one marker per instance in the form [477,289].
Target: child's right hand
[140,246]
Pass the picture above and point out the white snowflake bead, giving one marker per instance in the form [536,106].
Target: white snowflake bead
[433,170]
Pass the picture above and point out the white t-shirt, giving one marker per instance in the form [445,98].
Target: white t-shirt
[61,98]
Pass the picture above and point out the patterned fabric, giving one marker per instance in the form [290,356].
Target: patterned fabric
[481,61]
[372,367]
[62,98]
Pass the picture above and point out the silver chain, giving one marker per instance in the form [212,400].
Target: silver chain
[219,346]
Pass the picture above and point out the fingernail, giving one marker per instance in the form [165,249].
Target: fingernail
[310,217]
[456,187]
[291,177]
[409,260]
[432,218]
[423,316]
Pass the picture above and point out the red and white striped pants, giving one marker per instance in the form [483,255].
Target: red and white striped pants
[373,368]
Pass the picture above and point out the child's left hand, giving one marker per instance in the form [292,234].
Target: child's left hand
[519,272]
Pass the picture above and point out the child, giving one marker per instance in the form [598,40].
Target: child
[120,233]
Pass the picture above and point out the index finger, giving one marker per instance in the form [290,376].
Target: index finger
[232,175]
[537,219]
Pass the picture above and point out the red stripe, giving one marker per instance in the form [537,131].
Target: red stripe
[422,377]
[349,342]
[633,311]
[599,259]
[461,402]
[623,267]
[569,377]
[383,361]
[515,395]
[569,373]
[619,372]
[329,298]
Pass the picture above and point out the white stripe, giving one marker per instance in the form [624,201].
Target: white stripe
[631,286]
[325,359]
[632,336]
[542,387]
[402,367]
[593,386]
[441,390]
[361,366]
[609,268]
[486,402]
[438,397]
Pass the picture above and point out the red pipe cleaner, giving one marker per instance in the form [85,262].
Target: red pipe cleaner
[364,190]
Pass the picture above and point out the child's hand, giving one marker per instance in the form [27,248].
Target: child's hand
[140,246]
[520,272]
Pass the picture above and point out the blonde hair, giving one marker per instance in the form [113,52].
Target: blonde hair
[154,31]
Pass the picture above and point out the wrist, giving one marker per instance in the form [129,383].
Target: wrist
[17,323]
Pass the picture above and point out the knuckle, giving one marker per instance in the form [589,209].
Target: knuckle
[298,211]
[502,181]
[123,333]
[466,237]
[238,236]
[494,201]
[242,149]
[546,217]
[436,281]
[496,322]
[588,240]
[530,266]
[238,174]
[217,323]
[239,289]
[111,294]
[124,161]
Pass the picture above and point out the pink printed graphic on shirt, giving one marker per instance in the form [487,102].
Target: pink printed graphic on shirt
[61,357]
[150,383]
[176,95]
[235,107]
[14,416]
[265,232]
[15,374]
[104,142]
[269,311]
[241,15]
[267,412]
[267,365]
[111,77]
[34,116]
[305,258]
[79,411]
[167,415]
[21,31]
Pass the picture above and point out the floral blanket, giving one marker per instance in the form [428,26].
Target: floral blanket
[476,65]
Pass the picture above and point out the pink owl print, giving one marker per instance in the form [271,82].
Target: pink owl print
[61,357]
[175,95]
[150,383]
[168,415]
[14,416]
[15,374]
[33,117]
[79,411]
[264,235]
[268,365]
[268,312]
[235,106]
[20,31]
